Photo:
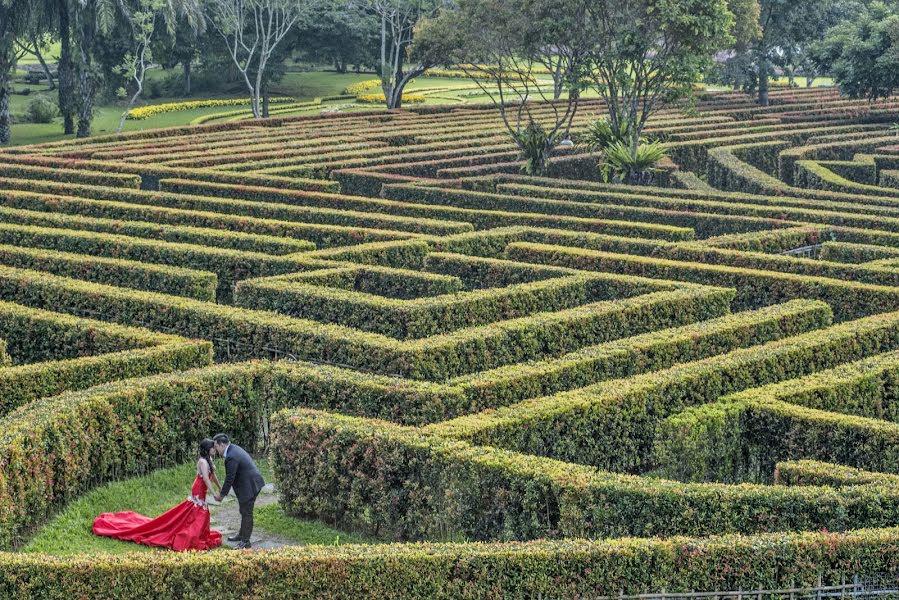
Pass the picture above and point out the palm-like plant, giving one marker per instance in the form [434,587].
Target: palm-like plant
[599,133]
[535,146]
[621,165]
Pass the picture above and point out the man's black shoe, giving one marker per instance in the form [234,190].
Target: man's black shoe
[235,538]
[243,546]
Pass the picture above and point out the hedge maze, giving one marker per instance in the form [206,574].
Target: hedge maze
[529,385]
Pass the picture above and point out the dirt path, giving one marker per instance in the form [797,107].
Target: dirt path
[225,517]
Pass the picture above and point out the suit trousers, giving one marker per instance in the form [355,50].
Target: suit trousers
[246,518]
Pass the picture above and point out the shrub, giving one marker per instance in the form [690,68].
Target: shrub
[380,99]
[41,109]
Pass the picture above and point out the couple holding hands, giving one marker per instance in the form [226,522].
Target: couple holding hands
[186,526]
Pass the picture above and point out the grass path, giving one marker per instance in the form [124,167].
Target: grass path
[70,531]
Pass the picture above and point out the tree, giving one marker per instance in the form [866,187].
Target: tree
[648,52]
[862,54]
[399,64]
[31,43]
[498,43]
[13,21]
[144,17]
[252,31]
[340,34]
[786,31]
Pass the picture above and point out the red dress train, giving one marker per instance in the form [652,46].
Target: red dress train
[184,527]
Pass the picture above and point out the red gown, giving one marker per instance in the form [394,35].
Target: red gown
[184,527]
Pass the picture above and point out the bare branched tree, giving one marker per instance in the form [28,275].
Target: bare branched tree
[399,21]
[252,30]
[499,44]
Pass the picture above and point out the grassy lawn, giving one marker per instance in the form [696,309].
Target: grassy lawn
[70,531]
[303,86]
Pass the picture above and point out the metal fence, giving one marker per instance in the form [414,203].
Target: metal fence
[811,251]
[869,587]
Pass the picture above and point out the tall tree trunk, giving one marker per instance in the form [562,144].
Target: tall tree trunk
[557,81]
[264,101]
[7,63]
[85,26]
[66,70]
[763,80]
[5,125]
[51,85]
[185,67]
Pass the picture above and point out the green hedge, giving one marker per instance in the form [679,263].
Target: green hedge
[544,335]
[396,482]
[769,242]
[548,569]
[814,472]
[347,391]
[539,201]
[138,275]
[613,424]
[403,284]
[754,287]
[675,208]
[856,253]
[322,235]
[261,333]
[229,266]
[92,177]
[642,353]
[836,416]
[38,214]
[149,174]
[56,353]
[422,317]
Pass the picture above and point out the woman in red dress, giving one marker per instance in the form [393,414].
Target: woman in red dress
[184,527]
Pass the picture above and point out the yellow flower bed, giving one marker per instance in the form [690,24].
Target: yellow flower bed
[379,98]
[145,112]
[362,86]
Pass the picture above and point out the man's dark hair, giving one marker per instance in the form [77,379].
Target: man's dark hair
[221,438]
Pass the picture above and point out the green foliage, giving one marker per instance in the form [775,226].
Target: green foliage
[845,415]
[41,110]
[861,53]
[599,134]
[408,485]
[535,146]
[623,164]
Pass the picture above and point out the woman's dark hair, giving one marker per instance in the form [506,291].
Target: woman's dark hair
[205,447]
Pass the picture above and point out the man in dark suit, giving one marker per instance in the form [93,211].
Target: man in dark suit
[241,474]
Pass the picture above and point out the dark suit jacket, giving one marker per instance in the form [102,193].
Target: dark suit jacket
[241,474]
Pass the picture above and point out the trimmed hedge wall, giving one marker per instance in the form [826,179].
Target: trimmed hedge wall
[322,235]
[98,177]
[612,424]
[36,214]
[754,287]
[422,317]
[126,273]
[643,353]
[741,437]
[549,569]
[398,483]
[57,353]
[263,333]
[229,266]
[814,472]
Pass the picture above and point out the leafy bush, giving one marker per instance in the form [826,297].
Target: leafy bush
[621,165]
[41,109]
[535,146]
